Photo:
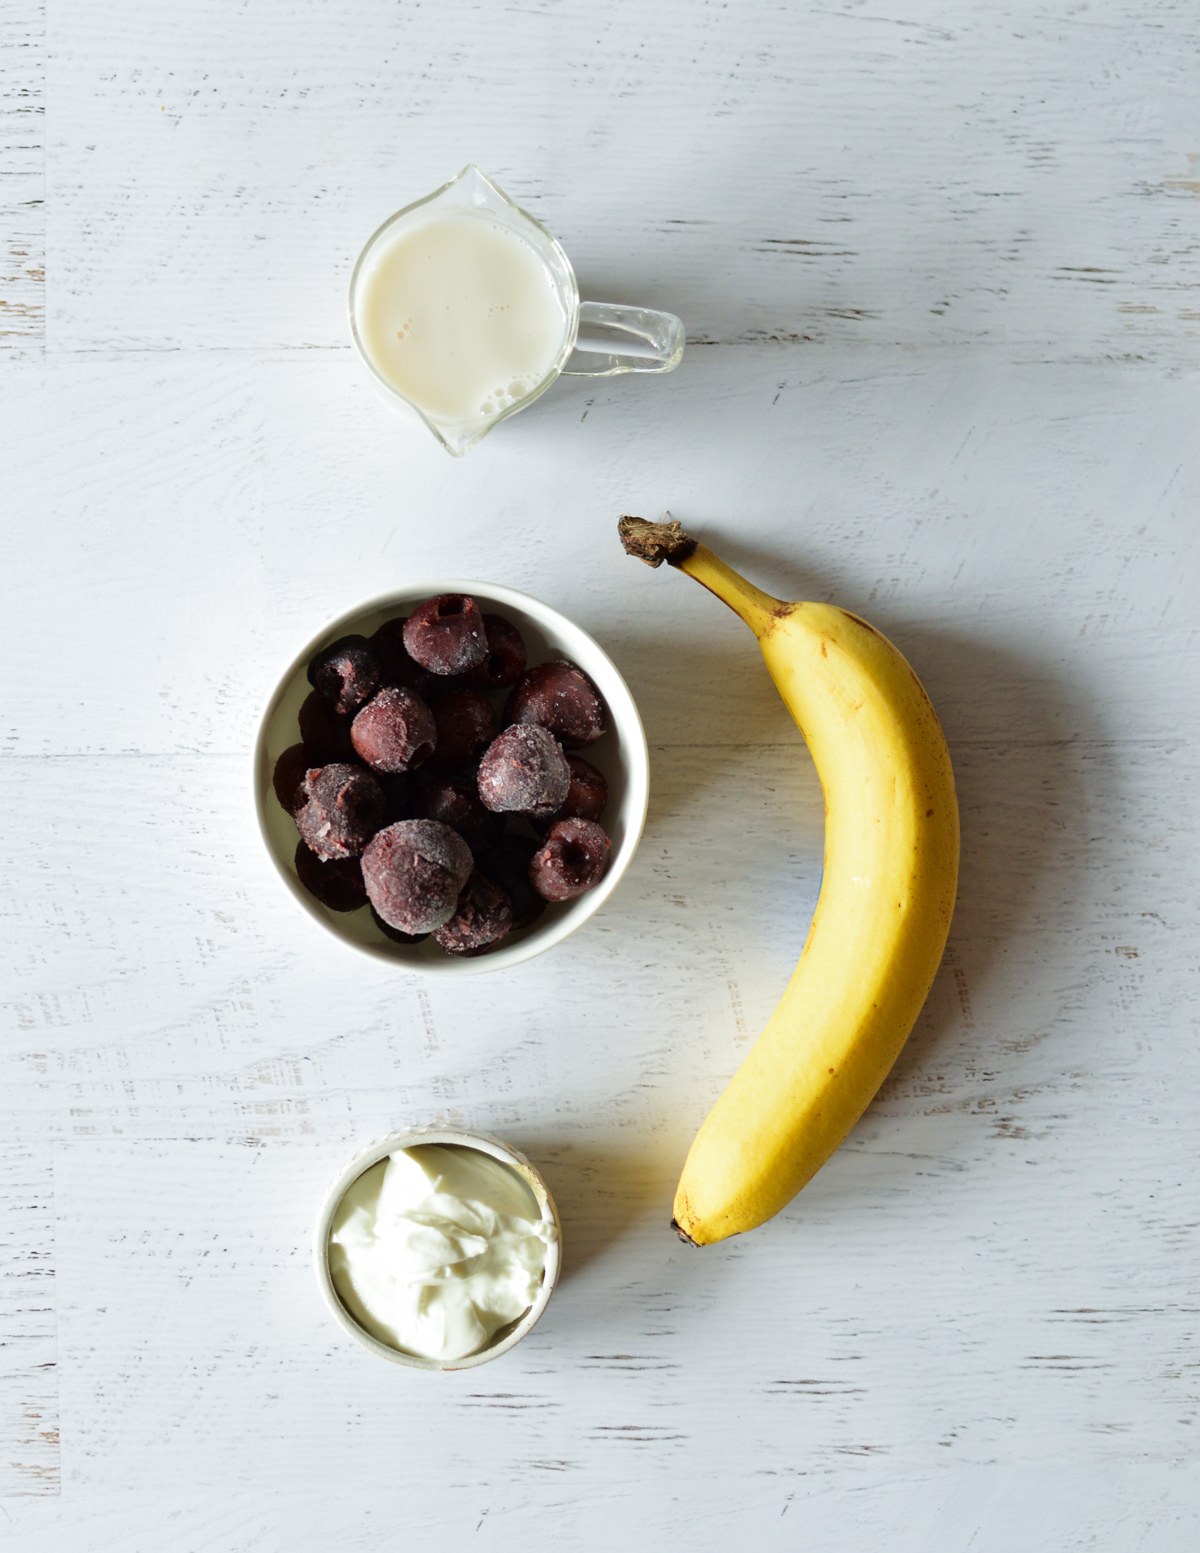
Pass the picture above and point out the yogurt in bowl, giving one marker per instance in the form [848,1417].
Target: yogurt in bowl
[438,1248]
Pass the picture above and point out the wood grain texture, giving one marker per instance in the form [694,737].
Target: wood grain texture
[1015,173]
[22,173]
[28,1346]
[939,272]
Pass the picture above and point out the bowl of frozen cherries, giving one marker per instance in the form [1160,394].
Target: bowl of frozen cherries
[453,777]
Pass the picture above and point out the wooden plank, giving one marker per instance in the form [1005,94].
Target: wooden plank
[22,172]
[937,175]
[29,1444]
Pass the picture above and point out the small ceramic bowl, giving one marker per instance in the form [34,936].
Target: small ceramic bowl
[621,755]
[507,1336]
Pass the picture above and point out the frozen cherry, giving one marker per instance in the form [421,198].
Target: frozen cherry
[414,872]
[524,772]
[342,808]
[394,933]
[337,883]
[508,864]
[484,914]
[573,858]
[587,794]
[455,801]
[558,696]
[396,666]
[289,773]
[466,725]
[346,673]
[446,634]
[394,731]
[505,660]
[325,731]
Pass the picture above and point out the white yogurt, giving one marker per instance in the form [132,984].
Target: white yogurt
[461,316]
[436,1248]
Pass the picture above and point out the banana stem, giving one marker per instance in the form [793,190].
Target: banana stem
[758,609]
[655,543]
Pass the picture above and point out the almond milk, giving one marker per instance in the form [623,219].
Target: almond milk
[461,316]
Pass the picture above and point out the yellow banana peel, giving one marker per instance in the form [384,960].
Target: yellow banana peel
[886,899]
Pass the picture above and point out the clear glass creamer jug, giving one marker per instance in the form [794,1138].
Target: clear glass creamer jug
[465,309]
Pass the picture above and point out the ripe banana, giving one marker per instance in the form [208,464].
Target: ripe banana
[877,935]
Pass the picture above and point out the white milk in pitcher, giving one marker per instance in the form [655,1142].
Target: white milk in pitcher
[460,316]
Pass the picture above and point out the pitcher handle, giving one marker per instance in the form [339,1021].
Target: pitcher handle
[615,339]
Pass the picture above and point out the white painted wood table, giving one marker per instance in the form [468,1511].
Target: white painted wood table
[939,268]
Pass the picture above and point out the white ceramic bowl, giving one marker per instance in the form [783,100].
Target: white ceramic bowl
[506,1337]
[621,755]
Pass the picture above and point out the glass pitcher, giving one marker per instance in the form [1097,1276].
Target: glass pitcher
[598,339]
